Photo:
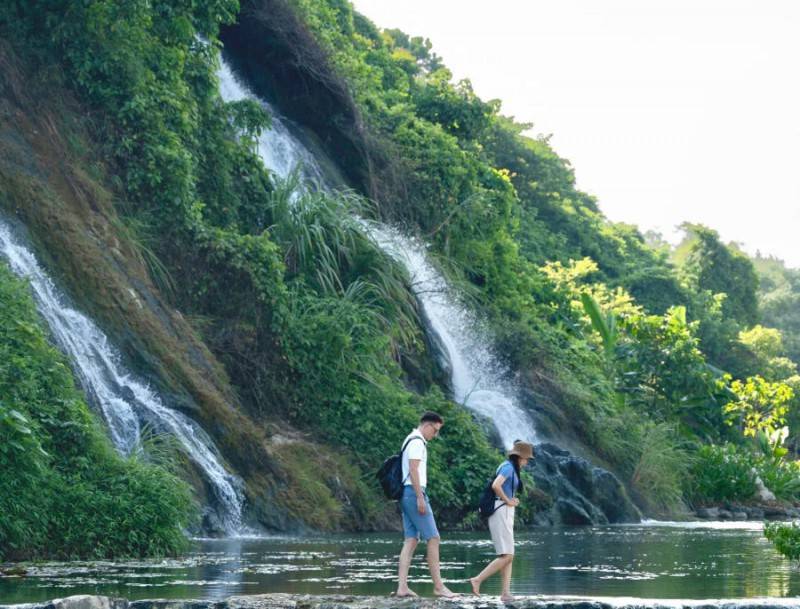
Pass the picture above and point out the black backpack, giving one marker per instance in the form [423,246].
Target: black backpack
[390,474]
[488,497]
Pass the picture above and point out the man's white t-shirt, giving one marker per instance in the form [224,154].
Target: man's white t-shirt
[416,449]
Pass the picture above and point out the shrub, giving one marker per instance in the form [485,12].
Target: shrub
[722,473]
[785,538]
[782,478]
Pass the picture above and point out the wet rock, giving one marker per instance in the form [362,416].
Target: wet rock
[570,512]
[725,515]
[775,512]
[763,493]
[297,601]
[544,519]
[708,513]
[82,601]
[755,513]
[582,493]
[739,515]
[13,571]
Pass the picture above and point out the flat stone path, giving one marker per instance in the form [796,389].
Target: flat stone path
[299,601]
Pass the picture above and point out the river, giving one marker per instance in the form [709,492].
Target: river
[651,560]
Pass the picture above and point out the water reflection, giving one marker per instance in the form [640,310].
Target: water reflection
[652,560]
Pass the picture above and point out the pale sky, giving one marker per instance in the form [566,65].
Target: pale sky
[668,110]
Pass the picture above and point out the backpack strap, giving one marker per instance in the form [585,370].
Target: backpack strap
[402,450]
[513,479]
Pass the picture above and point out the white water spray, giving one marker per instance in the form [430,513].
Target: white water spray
[479,382]
[280,150]
[125,402]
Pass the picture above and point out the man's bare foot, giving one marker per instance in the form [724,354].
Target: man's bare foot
[507,598]
[405,593]
[476,586]
[444,592]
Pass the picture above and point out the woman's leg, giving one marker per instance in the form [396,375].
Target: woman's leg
[505,595]
[493,567]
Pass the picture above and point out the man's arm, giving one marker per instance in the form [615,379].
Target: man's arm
[413,470]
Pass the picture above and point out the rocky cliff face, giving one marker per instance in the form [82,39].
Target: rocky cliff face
[581,492]
[55,183]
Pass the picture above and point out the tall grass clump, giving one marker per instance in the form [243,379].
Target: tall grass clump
[327,248]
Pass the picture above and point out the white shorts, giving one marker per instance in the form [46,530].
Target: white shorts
[501,526]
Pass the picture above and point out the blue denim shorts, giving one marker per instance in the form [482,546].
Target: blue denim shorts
[414,524]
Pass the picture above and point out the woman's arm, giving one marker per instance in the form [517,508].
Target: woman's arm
[497,487]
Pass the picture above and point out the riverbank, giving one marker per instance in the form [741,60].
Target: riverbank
[293,601]
[756,511]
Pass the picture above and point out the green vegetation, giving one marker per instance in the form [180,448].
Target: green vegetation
[293,298]
[654,359]
[785,537]
[722,473]
[627,335]
[779,297]
[64,491]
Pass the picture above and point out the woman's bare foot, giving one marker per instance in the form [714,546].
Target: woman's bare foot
[444,592]
[476,586]
[405,593]
[507,598]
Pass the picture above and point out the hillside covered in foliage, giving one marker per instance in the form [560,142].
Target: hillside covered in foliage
[292,337]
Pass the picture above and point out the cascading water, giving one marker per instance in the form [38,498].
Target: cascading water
[477,378]
[280,150]
[479,381]
[127,404]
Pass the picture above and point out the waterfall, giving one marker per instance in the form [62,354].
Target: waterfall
[280,150]
[479,381]
[126,403]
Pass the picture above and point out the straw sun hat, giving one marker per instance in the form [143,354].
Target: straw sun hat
[522,449]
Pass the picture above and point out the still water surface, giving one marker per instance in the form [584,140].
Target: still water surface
[655,560]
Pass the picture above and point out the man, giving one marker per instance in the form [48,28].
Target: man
[418,518]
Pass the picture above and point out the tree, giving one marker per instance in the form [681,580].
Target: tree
[711,265]
[760,406]
[765,346]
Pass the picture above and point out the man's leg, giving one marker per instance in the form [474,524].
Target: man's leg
[426,524]
[409,545]
[439,589]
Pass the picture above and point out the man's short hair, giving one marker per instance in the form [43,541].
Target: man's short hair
[431,417]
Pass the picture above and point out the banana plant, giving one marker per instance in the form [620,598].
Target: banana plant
[605,324]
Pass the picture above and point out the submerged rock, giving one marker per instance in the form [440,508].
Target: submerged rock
[298,601]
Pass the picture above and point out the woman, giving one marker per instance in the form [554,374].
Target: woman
[507,485]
